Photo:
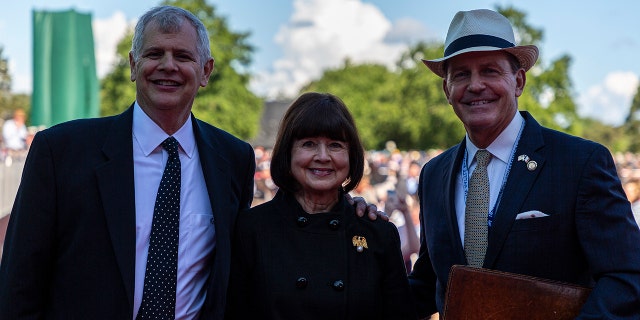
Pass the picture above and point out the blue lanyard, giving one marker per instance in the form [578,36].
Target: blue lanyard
[465,177]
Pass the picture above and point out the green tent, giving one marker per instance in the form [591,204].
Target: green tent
[65,83]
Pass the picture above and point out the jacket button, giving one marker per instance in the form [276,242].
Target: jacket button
[334,224]
[302,283]
[338,285]
[302,222]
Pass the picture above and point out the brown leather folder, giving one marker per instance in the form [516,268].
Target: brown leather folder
[483,294]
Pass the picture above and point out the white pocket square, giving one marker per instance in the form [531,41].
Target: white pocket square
[531,214]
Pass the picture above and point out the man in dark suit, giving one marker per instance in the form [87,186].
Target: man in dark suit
[78,237]
[556,208]
[81,227]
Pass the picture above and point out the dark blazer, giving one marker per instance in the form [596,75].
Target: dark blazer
[288,264]
[588,238]
[70,246]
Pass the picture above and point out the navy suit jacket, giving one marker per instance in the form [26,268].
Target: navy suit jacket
[589,238]
[70,245]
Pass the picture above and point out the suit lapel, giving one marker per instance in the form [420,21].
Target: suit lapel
[519,183]
[215,171]
[215,175]
[450,176]
[117,190]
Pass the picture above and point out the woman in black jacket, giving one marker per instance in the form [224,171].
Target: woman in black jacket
[305,254]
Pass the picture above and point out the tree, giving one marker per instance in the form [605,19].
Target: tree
[5,84]
[634,111]
[614,138]
[5,77]
[8,101]
[226,102]
[116,90]
[428,115]
[408,105]
[549,91]
[631,126]
[365,90]
[549,96]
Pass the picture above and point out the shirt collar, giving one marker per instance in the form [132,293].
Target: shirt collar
[500,147]
[149,135]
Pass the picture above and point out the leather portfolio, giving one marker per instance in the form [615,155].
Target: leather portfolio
[483,294]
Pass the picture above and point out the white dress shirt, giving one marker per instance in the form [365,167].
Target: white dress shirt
[197,232]
[501,150]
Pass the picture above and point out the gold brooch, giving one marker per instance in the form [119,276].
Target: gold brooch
[531,165]
[359,242]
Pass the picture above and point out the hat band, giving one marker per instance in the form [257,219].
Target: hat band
[476,40]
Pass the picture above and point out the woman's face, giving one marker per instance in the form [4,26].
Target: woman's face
[319,164]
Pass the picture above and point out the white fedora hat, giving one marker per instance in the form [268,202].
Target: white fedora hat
[481,30]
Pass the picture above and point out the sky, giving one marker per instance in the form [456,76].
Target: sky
[296,39]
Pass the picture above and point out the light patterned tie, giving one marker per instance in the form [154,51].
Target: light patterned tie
[160,278]
[477,211]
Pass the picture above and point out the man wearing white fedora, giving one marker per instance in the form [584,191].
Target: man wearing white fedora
[545,204]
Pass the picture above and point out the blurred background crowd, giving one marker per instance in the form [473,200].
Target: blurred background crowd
[390,179]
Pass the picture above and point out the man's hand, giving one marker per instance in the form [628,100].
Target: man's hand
[362,207]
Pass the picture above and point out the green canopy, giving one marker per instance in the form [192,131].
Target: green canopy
[65,83]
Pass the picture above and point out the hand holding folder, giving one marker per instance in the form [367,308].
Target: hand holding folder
[483,294]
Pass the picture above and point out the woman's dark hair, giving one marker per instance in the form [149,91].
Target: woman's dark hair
[316,115]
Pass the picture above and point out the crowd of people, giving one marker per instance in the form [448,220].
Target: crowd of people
[16,135]
[628,166]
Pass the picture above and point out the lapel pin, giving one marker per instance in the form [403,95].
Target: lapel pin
[531,165]
[359,242]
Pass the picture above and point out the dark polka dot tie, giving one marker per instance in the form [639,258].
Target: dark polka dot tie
[159,293]
[477,212]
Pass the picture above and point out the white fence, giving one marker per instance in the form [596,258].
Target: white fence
[10,173]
